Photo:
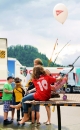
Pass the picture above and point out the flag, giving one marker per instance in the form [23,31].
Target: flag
[53,52]
[55,44]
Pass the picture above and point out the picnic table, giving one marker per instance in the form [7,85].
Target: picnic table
[72,100]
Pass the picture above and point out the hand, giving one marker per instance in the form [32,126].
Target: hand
[59,78]
[28,91]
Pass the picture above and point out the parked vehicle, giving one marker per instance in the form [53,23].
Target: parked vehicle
[9,66]
[3,63]
[15,69]
[73,83]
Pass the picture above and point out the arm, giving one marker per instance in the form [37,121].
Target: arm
[32,90]
[7,91]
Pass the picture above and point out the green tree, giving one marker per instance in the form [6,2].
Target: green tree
[26,54]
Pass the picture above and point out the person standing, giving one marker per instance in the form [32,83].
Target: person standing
[35,110]
[18,93]
[13,101]
[7,99]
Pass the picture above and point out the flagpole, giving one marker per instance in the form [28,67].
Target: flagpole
[53,52]
[60,51]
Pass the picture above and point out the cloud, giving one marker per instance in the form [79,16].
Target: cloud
[32,22]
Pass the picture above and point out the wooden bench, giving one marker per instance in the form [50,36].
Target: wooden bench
[72,100]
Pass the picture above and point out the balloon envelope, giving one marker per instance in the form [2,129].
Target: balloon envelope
[60,12]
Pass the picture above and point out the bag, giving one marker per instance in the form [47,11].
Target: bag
[23,92]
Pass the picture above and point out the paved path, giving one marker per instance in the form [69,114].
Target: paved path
[70,120]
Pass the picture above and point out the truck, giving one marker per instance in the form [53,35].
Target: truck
[9,66]
[73,83]
[3,63]
[16,69]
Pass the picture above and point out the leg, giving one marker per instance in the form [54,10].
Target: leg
[5,115]
[16,106]
[6,109]
[27,97]
[12,113]
[25,107]
[18,115]
[37,109]
[22,112]
[29,111]
[33,116]
[13,110]
[37,116]
[24,119]
[48,114]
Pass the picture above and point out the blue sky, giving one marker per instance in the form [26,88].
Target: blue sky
[31,22]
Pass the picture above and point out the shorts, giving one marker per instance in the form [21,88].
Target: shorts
[6,106]
[35,108]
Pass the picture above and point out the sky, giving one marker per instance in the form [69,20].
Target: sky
[32,22]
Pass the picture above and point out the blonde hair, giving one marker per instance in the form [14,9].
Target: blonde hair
[38,61]
[37,71]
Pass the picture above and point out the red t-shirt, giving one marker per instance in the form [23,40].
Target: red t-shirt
[43,88]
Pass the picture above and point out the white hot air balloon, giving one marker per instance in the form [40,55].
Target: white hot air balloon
[60,12]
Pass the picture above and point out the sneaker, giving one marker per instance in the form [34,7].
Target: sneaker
[23,124]
[7,122]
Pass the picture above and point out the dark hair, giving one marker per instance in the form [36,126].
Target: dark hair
[17,80]
[10,77]
[37,71]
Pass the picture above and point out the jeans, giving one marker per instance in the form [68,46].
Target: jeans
[27,98]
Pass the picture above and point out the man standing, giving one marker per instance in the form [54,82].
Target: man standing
[7,99]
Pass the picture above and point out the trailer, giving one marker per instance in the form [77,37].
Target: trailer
[9,66]
[16,69]
[3,63]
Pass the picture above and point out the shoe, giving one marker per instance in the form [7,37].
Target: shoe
[32,123]
[7,122]
[18,120]
[44,122]
[12,120]
[38,123]
[23,124]
[48,123]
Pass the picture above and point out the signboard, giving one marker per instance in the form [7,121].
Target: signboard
[2,54]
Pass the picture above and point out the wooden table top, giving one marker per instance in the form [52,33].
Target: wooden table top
[72,100]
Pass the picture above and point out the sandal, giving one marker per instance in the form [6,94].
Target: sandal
[38,123]
[32,123]
[44,122]
[48,123]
